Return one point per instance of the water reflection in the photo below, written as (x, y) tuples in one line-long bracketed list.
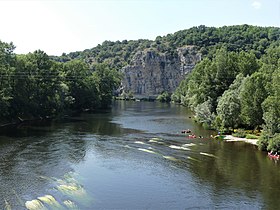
[(134, 157), (25, 159), (240, 170)]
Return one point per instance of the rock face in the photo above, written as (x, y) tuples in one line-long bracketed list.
[(151, 73)]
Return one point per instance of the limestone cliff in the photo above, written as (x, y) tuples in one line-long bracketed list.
[(150, 72)]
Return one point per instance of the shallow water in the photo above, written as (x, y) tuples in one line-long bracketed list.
[(132, 157)]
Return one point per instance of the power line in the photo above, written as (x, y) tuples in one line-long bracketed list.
[(34, 76)]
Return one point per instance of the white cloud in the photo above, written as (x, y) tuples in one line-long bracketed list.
[(256, 5)]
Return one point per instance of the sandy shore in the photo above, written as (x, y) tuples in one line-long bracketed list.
[(232, 138)]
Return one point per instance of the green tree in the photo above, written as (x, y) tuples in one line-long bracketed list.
[(164, 97), (247, 63), (204, 114), (271, 105), (106, 80), (252, 96), (82, 88), (274, 143), (226, 64), (229, 105), (36, 86), (7, 60)]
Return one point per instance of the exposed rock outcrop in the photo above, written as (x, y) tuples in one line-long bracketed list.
[(150, 72)]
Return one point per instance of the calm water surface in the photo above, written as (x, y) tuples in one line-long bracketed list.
[(132, 157)]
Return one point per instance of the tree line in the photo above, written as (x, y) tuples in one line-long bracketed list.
[(208, 40), (237, 90), (34, 85)]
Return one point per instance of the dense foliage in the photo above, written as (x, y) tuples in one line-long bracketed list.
[(115, 54), (33, 85), (207, 39), (237, 90), (164, 97)]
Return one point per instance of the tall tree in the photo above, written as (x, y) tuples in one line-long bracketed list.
[(247, 63), (7, 60), (107, 80), (82, 87), (37, 85), (252, 96), (271, 105), (229, 105)]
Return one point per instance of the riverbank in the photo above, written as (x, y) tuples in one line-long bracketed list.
[(230, 138), (20, 123)]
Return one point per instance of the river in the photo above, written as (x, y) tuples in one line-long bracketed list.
[(132, 157)]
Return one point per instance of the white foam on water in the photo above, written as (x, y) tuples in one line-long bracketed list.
[(50, 200), (189, 145), (139, 142), (178, 147), (207, 154), (146, 150), (170, 158), (35, 205)]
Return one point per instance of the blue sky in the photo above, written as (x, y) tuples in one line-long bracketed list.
[(57, 26)]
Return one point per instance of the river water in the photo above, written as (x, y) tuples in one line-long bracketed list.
[(132, 157)]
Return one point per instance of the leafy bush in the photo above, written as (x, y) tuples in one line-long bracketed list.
[(251, 136), (240, 133), (263, 141), (274, 143), (204, 114), (164, 97), (225, 131), (206, 126)]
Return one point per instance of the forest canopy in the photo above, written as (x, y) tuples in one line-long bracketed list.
[(208, 40), (236, 90), (33, 85)]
